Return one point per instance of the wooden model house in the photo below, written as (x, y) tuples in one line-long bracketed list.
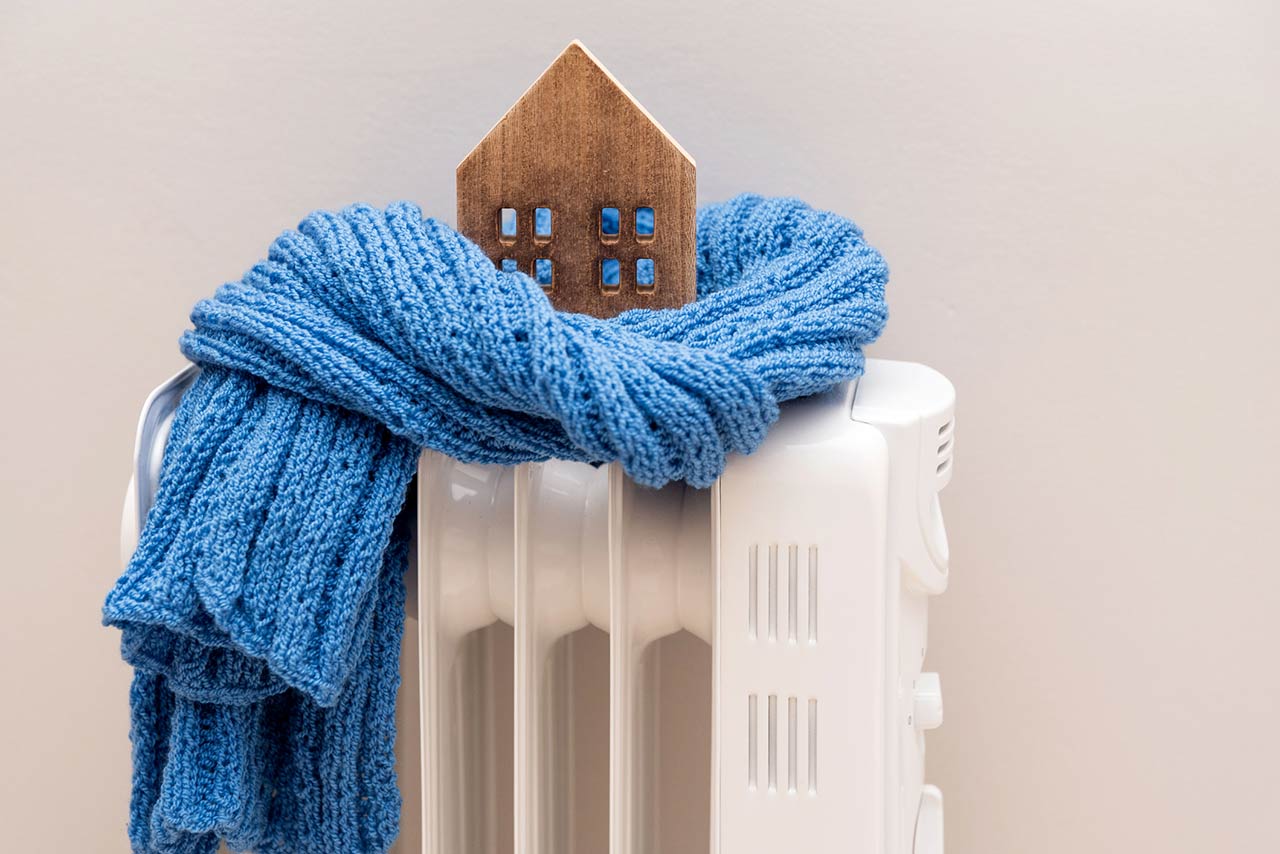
[(582, 189)]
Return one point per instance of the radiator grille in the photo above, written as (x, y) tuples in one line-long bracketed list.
[(790, 594), (783, 734)]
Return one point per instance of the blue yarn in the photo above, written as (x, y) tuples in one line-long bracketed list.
[(263, 608)]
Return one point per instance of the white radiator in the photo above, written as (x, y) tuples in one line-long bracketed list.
[(596, 666)]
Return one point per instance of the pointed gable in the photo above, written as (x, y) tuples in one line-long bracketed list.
[(578, 154)]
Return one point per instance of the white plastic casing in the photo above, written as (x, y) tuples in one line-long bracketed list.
[(593, 665)]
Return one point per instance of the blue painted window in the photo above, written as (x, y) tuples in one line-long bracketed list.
[(644, 222), (610, 272), (508, 223), (509, 265), (542, 272), (644, 272), (610, 221), (542, 222)]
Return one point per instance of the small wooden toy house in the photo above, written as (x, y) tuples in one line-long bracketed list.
[(582, 189)]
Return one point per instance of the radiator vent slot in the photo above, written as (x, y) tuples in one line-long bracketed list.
[(793, 592), (813, 595), (792, 743), (773, 592), (813, 747), (773, 742)]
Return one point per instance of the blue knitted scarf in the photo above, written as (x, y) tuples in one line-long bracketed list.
[(263, 608)]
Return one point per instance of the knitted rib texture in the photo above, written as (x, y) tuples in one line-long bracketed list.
[(263, 608)]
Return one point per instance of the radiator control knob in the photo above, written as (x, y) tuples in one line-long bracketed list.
[(927, 702)]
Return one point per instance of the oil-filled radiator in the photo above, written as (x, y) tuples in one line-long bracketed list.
[(591, 665)]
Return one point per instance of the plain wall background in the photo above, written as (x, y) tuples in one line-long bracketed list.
[(1080, 204)]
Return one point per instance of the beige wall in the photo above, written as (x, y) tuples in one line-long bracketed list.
[(1080, 202)]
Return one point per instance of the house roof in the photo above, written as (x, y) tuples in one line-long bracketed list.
[(575, 69)]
